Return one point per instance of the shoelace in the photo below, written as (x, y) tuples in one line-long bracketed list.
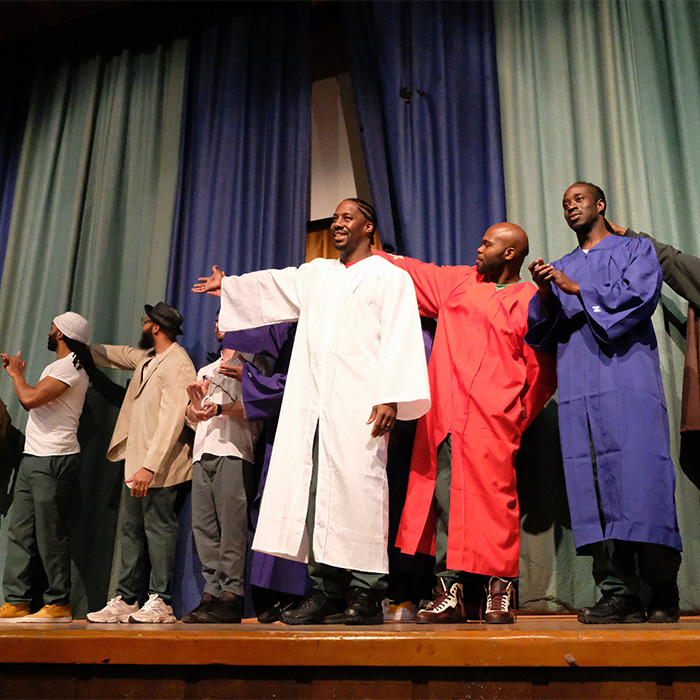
[(502, 602)]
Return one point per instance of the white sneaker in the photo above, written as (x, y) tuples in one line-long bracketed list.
[(154, 610), (115, 611)]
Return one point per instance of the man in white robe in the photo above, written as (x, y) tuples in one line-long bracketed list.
[(358, 364)]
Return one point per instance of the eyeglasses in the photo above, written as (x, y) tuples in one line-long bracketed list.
[(145, 320)]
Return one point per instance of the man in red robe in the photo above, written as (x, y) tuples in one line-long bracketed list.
[(486, 386)]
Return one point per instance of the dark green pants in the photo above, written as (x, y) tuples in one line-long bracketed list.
[(148, 534), (443, 483), (619, 567), (40, 525)]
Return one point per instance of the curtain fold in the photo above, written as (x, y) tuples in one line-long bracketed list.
[(14, 86), (243, 197), (91, 231), (425, 85), (606, 92)]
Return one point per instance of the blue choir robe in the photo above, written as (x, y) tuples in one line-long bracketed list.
[(611, 397)]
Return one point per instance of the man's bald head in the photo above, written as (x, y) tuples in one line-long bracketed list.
[(503, 249)]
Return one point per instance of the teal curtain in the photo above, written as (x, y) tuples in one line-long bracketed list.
[(90, 231), (607, 92)]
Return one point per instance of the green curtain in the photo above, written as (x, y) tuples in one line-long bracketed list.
[(90, 232), (607, 92)]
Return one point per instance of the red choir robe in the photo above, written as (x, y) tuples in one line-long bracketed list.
[(486, 386)]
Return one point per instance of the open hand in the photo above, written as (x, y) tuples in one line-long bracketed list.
[(210, 285)]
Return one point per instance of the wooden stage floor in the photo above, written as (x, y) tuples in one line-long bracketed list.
[(548, 656)]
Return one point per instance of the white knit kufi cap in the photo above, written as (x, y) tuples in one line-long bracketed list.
[(73, 326)]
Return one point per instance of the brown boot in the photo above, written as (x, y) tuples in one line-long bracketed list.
[(500, 602), (445, 607)]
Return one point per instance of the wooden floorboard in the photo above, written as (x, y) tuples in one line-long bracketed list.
[(533, 641), (538, 658)]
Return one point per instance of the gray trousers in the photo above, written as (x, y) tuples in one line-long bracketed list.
[(220, 522), (331, 580), (148, 533), (39, 525)]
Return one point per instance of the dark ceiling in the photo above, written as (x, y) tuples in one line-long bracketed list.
[(20, 18), (60, 28)]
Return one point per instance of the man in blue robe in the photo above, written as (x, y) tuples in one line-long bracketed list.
[(593, 310)]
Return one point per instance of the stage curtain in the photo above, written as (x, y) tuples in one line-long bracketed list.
[(607, 92), (13, 110), (243, 199), (91, 232), (424, 80), (244, 185)]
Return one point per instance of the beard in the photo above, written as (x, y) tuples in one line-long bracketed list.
[(52, 343), (146, 342)]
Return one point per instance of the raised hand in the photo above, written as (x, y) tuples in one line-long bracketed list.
[(210, 285)]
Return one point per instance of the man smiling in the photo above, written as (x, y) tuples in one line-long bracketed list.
[(357, 365)]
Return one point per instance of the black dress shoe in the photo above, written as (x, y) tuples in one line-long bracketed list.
[(663, 606), (204, 605), (317, 609), (365, 608), (614, 609), (227, 610)]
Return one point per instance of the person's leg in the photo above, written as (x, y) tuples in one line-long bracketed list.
[(232, 513), (614, 567), (448, 602), (614, 571), (21, 543), (443, 485), (160, 527), (52, 487), (328, 579), (326, 604), (229, 510), (132, 540), (205, 525), (658, 567)]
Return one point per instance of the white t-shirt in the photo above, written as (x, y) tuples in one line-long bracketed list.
[(224, 436), (52, 429)]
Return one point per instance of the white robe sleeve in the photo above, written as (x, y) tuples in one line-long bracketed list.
[(260, 298), (403, 376)]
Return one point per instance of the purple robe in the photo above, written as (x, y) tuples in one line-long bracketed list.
[(262, 398), (610, 393)]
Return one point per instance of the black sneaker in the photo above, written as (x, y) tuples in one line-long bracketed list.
[(204, 605), (317, 609), (273, 614), (227, 610), (614, 609), (663, 606), (365, 608)]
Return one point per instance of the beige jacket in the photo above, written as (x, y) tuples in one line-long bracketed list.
[(150, 430)]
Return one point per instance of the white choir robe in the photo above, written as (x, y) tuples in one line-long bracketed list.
[(358, 344)]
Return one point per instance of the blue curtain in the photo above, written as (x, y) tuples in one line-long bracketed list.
[(243, 196), (244, 182), (425, 84), (14, 87)]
